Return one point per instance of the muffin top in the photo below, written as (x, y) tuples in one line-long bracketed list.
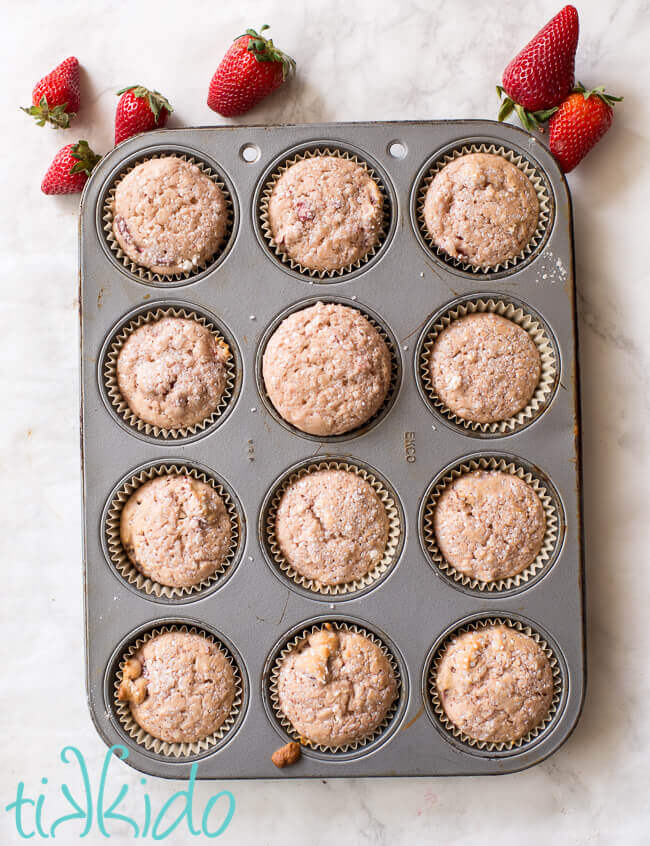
[(336, 687), (489, 525), (176, 530), (325, 213), (495, 684), (480, 208), (169, 216), (484, 367), (173, 372), (331, 526), (326, 369), (180, 687)]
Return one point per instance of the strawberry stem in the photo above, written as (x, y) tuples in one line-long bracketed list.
[(57, 115), (265, 50), (529, 120), (155, 99), (598, 91), (86, 158)]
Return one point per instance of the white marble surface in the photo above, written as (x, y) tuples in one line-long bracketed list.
[(357, 61)]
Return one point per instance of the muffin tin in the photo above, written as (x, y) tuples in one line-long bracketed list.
[(257, 610)]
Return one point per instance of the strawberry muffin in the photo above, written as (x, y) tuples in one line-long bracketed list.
[(180, 687), (336, 687), (326, 369), (481, 209), (169, 216), (489, 525), (495, 684), (176, 530), (325, 213), (331, 526), (172, 372), (484, 368)]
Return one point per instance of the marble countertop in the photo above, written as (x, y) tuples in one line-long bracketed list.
[(357, 61)]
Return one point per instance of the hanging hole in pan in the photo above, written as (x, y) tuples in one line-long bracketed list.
[(397, 149), (250, 153)]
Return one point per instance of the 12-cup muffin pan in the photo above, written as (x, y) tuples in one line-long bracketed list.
[(256, 607)]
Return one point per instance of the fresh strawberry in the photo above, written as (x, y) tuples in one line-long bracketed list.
[(580, 122), (55, 99), (139, 110), (252, 68), (70, 169), (542, 74)]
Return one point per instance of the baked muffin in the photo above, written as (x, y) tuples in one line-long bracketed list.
[(331, 526), (495, 684), (176, 530), (325, 213), (169, 216), (336, 688), (180, 687), (484, 368), (326, 369), (481, 209), (489, 525), (172, 373)]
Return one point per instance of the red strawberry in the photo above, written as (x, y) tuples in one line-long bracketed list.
[(541, 75), (55, 99), (139, 110), (580, 121), (70, 169), (252, 68)]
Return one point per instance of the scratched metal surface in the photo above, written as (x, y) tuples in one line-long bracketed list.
[(255, 608)]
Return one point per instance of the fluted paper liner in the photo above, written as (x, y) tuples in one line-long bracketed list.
[(530, 170), (163, 747), (143, 274), (393, 385), (551, 536), (395, 530), (538, 334), (111, 385), (285, 722), (263, 212), (123, 564), (484, 745)]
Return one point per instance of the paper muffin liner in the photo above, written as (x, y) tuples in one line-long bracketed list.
[(111, 385), (163, 747), (484, 745), (526, 166), (284, 721), (535, 329), (393, 545), (393, 384), (143, 274), (550, 542), (119, 556), (263, 212)]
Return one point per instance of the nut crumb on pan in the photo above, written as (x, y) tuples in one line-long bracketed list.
[(326, 369), (172, 372), (495, 684), (190, 687), (336, 687), (176, 530), (286, 755), (325, 213), (481, 209), (484, 367), (331, 526), (489, 524), (169, 216)]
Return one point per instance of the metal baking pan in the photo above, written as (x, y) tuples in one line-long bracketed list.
[(256, 609)]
